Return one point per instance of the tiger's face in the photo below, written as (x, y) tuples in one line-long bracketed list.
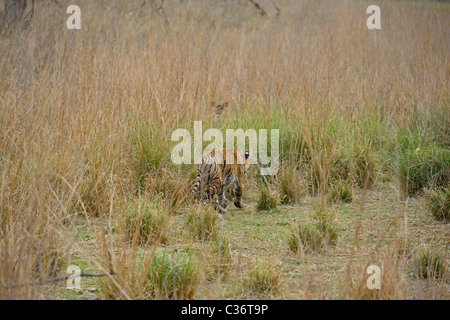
[(247, 162)]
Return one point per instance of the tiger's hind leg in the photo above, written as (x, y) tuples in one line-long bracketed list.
[(215, 201), (205, 198), (223, 199), (219, 208), (215, 197)]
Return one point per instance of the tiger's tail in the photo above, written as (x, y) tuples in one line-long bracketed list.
[(198, 179)]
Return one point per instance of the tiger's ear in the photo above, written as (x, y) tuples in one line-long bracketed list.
[(247, 154)]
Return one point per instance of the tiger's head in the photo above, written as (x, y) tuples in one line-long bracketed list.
[(247, 162)]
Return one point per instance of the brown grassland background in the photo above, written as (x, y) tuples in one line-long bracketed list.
[(86, 118)]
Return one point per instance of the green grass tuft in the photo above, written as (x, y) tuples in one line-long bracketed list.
[(306, 238), (429, 264), (220, 258), (173, 276), (263, 276), (146, 220), (267, 199), (438, 202), (424, 167), (320, 231), (341, 191), (202, 223)]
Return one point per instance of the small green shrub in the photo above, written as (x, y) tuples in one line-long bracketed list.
[(146, 220), (438, 202), (173, 276), (429, 264), (203, 223), (263, 276)]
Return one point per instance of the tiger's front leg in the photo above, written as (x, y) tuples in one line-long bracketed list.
[(238, 194)]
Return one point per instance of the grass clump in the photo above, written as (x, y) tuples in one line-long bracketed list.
[(320, 231), (148, 149), (162, 182), (291, 185), (438, 202), (267, 199), (341, 191), (429, 264), (366, 166), (306, 237), (424, 167), (357, 164), (203, 223), (145, 221), (173, 276), (51, 255), (326, 224), (220, 257), (263, 276)]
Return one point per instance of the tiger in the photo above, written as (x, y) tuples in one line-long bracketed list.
[(217, 174)]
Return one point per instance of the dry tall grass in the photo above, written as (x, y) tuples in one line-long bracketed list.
[(86, 116)]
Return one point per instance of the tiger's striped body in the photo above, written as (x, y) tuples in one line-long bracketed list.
[(218, 171)]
